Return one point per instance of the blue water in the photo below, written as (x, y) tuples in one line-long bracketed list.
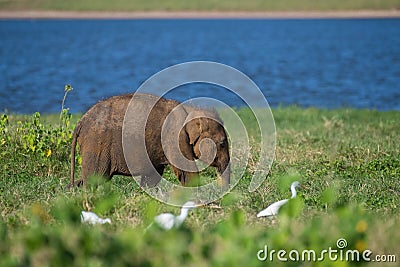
[(322, 63)]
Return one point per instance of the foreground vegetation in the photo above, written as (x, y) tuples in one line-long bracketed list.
[(211, 5), (347, 161)]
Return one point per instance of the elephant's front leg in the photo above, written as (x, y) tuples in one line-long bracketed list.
[(186, 178), (151, 180)]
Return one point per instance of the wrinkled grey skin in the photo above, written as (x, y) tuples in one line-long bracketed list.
[(99, 135)]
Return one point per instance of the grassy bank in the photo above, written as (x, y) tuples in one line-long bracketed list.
[(199, 5), (347, 161)]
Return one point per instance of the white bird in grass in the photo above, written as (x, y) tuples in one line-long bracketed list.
[(167, 221), (273, 209), (92, 218)]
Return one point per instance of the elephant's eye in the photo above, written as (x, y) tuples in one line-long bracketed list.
[(221, 144)]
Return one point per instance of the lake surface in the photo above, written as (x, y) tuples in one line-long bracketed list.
[(326, 63)]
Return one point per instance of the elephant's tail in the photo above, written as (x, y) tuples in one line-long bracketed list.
[(73, 151)]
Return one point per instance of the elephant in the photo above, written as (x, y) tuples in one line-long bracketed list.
[(172, 133)]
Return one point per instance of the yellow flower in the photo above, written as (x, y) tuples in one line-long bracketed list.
[(40, 212), (361, 245), (361, 226), (48, 153)]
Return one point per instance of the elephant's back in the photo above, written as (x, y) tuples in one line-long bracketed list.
[(103, 121)]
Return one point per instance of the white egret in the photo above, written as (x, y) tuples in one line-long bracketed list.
[(92, 218), (273, 209), (167, 221)]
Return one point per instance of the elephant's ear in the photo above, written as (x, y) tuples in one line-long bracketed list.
[(194, 130)]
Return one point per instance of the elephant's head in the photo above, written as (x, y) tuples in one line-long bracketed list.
[(208, 138)]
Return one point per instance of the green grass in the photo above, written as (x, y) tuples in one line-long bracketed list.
[(347, 161), (215, 5)]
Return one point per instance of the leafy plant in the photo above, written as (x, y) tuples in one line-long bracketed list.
[(43, 141)]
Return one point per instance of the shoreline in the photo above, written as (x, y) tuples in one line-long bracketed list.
[(48, 14)]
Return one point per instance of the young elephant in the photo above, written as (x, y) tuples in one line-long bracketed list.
[(188, 132)]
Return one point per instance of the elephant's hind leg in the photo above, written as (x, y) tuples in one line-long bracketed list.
[(95, 164)]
